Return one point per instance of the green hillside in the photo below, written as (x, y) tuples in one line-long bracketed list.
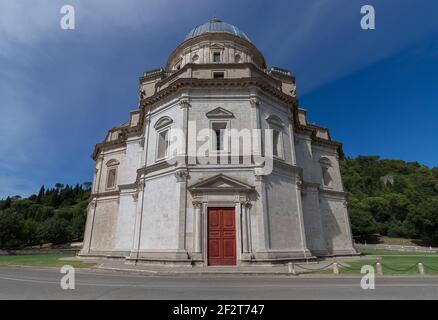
[(392, 197), (55, 215)]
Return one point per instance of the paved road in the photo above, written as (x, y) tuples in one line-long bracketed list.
[(29, 283)]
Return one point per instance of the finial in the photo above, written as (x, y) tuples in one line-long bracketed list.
[(214, 20)]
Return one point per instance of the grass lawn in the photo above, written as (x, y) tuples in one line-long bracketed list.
[(44, 260), (393, 262)]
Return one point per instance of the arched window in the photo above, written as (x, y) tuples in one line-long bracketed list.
[(162, 126), (326, 168), (111, 176)]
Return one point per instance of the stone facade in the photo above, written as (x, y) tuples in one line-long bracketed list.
[(145, 208)]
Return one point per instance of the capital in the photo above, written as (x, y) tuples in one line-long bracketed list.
[(197, 204), (181, 175), (92, 204), (184, 103), (254, 101), (299, 182), (141, 142), (140, 185), (259, 177)]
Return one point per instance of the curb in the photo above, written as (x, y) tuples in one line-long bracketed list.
[(197, 273)]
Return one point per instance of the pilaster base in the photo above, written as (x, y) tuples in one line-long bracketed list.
[(170, 257)]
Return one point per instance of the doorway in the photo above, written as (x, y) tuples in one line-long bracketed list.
[(221, 233)]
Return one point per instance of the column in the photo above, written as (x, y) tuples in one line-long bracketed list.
[(262, 217), (292, 141), (244, 225), (89, 226), (255, 124), (138, 220), (197, 227), (181, 179), (248, 225), (298, 188), (100, 159)]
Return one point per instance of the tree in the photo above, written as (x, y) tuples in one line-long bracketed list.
[(425, 220), (11, 225), (57, 231), (54, 215), (87, 185), (396, 228), (362, 223), (6, 203), (378, 207), (397, 209), (41, 194), (30, 232), (399, 206)]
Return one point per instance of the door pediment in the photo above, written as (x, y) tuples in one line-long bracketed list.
[(221, 182), (219, 113)]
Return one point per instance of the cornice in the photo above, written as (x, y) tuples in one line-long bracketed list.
[(108, 145), (325, 142), (153, 74), (335, 193), (155, 167), (287, 166), (128, 186), (105, 194), (171, 76), (182, 83)]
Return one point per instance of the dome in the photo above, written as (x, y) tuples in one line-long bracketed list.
[(216, 25)]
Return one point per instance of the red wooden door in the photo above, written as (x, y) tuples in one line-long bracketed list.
[(221, 236)]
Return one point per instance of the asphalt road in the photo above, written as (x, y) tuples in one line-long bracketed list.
[(30, 283)]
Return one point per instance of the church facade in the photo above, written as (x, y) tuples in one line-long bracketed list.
[(151, 205)]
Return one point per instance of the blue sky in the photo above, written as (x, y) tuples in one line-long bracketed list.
[(61, 90)]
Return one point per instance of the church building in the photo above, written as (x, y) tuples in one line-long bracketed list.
[(154, 206)]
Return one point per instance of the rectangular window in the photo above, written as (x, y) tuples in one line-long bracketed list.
[(163, 144), (216, 57), (276, 144), (326, 177), (218, 75), (219, 131), (111, 179)]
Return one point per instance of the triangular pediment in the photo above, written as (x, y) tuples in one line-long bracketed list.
[(220, 182), (219, 113), (217, 46)]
